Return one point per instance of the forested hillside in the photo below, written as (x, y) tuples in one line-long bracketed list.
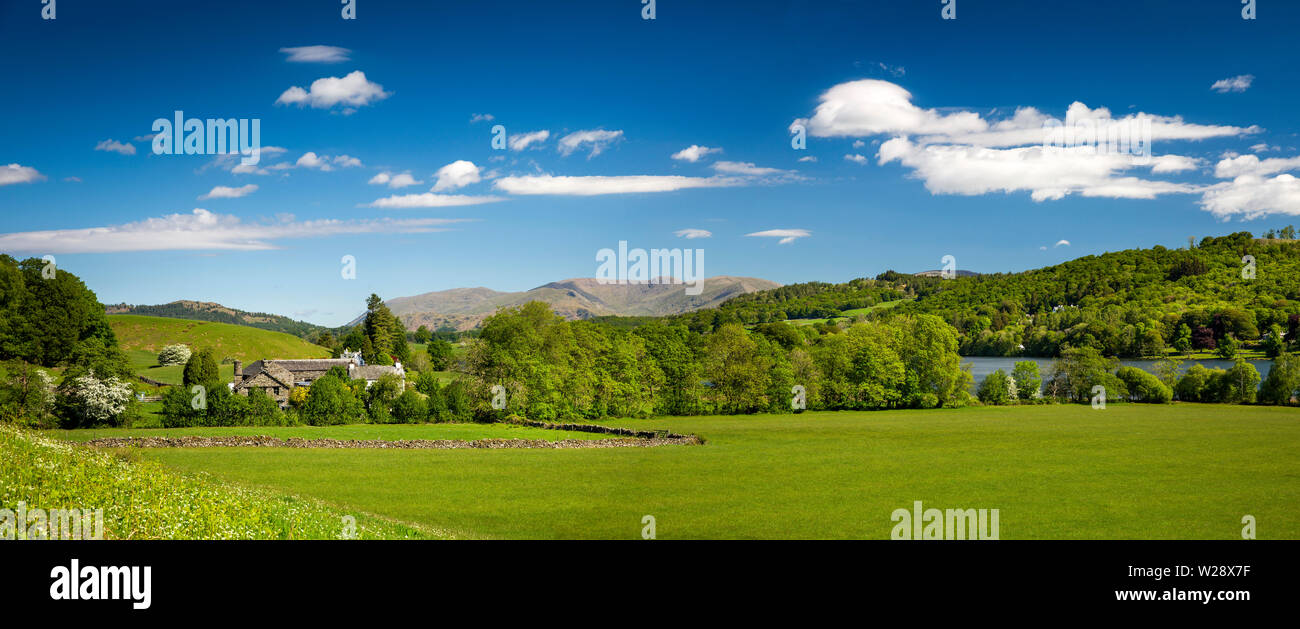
[(1138, 302)]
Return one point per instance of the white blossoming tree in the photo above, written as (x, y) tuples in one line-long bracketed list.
[(94, 401), (174, 355)]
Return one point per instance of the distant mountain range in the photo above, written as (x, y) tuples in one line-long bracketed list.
[(582, 298)]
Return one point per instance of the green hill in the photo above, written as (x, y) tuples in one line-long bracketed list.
[(138, 333), (209, 311)]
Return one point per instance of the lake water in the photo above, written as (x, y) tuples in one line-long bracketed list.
[(981, 366)]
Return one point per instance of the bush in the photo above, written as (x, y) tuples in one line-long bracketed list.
[(996, 389), (410, 408), (201, 368), (1143, 386), (330, 401), (174, 355), (1029, 382)]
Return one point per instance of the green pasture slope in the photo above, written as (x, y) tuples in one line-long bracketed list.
[(1180, 471), (141, 336)]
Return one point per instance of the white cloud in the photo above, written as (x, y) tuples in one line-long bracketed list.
[(1231, 167), (1044, 173), (16, 173), (1062, 243), (747, 169), (596, 185), (347, 161), (204, 230), (317, 54), (807, 158), (114, 146), (1239, 83), (786, 236), (694, 152), (393, 180), (691, 233), (457, 174), (352, 91), (429, 199), (856, 158), (1174, 163), (1254, 196), (481, 118), (311, 160), (598, 139), (872, 107), (522, 141), (226, 192)]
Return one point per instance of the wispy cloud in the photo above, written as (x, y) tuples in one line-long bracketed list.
[(317, 54), (204, 230), (17, 173), (350, 91), (786, 236), (481, 118), (747, 168), (226, 192), (524, 140), (113, 146), (598, 185), (692, 233), (1239, 83), (430, 200), (597, 139)]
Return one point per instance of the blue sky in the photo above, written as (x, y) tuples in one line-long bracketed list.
[(943, 163)]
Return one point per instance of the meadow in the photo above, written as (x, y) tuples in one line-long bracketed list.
[(147, 335), (1178, 471)]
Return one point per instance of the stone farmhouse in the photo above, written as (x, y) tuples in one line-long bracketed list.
[(278, 377)]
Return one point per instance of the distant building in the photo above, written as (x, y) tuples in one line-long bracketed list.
[(278, 377)]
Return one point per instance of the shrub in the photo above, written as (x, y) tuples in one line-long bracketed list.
[(1143, 386), (1029, 382), (410, 408), (201, 368), (330, 401), (996, 389)]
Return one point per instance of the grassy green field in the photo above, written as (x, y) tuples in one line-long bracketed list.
[(145, 500), (385, 432), (1180, 471), (150, 334), (846, 315)]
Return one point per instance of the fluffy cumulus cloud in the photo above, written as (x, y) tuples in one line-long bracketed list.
[(522, 141), (1091, 153), (317, 54), (598, 185), (1256, 189), (694, 153), (350, 92), (785, 236), (204, 230), (226, 192), (393, 180), (17, 173), (113, 146), (1239, 83), (691, 233), (430, 200), (457, 174)]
